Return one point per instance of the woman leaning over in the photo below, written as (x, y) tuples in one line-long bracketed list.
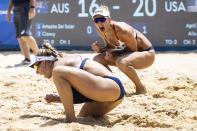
[(79, 80)]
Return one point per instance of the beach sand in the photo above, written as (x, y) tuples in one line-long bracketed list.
[(170, 103)]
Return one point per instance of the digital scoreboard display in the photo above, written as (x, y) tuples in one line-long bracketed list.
[(68, 23)]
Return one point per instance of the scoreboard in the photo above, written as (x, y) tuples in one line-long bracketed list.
[(68, 24)]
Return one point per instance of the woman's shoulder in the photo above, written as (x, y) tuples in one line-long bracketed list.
[(123, 27)]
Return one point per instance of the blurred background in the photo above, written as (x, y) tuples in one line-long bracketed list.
[(68, 25)]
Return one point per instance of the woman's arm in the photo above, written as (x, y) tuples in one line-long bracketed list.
[(32, 10), (96, 47), (10, 6), (107, 47)]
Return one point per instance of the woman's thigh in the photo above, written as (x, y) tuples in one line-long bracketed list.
[(94, 87), (139, 60), (91, 108)]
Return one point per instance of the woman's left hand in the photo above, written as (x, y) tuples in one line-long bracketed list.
[(32, 13)]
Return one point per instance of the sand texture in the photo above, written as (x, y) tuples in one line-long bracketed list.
[(170, 103)]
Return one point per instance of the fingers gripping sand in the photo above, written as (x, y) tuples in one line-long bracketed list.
[(170, 102)]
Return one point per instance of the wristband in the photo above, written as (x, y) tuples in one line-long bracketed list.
[(32, 6)]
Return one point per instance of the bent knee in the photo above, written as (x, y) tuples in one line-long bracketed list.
[(56, 73), (59, 71), (123, 64)]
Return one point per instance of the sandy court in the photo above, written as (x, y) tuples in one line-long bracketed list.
[(170, 104)]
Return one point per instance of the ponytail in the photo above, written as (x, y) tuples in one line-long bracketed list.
[(48, 50)]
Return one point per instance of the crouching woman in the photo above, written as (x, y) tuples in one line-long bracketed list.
[(79, 80)]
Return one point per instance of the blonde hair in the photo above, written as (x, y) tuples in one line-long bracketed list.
[(48, 50)]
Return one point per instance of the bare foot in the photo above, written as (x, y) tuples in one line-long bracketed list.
[(52, 98), (140, 90), (70, 120)]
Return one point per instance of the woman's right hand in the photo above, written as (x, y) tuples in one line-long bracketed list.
[(8, 16), (52, 98), (95, 47)]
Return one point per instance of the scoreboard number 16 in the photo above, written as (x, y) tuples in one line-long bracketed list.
[(93, 6)]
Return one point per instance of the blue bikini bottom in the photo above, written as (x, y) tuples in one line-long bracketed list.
[(79, 98)]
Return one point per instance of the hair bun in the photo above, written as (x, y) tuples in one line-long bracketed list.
[(47, 46)]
